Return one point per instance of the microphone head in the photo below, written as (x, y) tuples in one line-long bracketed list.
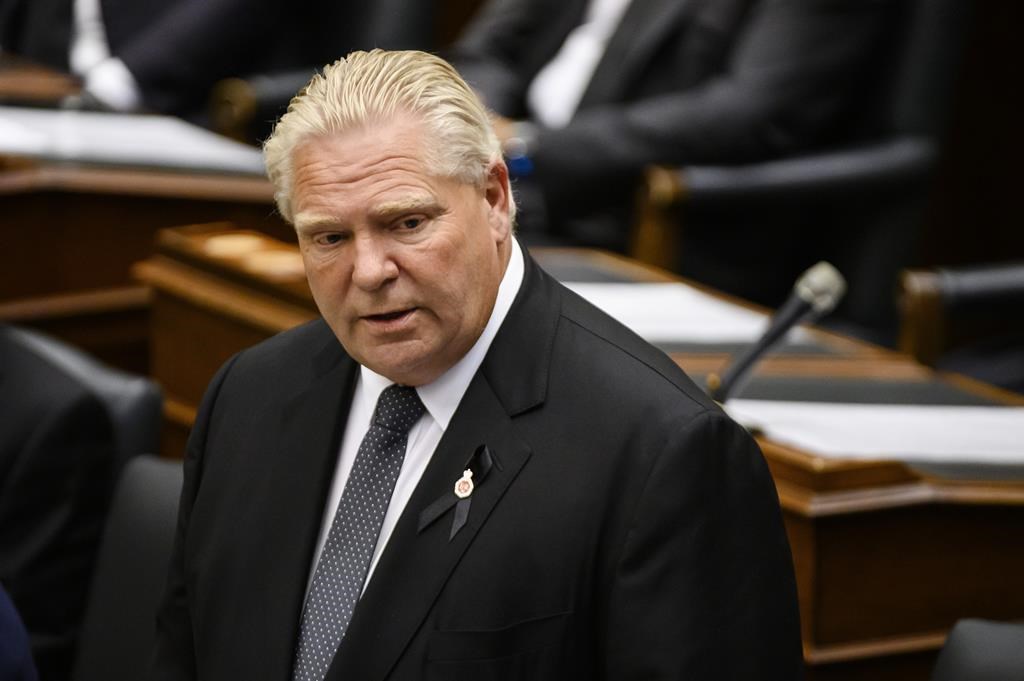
[(821, 287)]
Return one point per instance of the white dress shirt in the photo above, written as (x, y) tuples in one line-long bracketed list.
[(106, 77), (441, 398), (557, 89)]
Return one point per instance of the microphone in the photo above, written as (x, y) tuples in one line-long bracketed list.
[(816, 293)]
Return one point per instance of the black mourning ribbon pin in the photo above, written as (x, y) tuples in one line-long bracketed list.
[(475, 471)]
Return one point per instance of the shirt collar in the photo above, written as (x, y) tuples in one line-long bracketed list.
[(442, 396)]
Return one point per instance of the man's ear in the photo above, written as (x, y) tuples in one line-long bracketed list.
[(497, 193)]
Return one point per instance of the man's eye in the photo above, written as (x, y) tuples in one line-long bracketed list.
[(329, 239), (410, 223)]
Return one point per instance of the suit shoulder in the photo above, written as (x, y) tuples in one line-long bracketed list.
[(282, 350), (608, 346), (278, 365)]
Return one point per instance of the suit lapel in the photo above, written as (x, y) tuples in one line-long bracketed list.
[(643, 27), (418, 561), (300, 475), (415, 565)]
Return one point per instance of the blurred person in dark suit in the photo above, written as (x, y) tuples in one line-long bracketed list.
[(587, 93), (164, 55), (57, 454)]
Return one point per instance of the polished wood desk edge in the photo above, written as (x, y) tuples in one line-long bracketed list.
[(178, 412), (863, 650), (67, 305), (973, 385), (212, 294), (808, 503), (818, 486), (878, 367), (23, 81), (24, 177), (827, 474), (180, 244)]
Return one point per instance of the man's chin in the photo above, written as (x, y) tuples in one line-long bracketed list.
[(401, 364)]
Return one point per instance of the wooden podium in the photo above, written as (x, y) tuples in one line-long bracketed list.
[(886, 558)]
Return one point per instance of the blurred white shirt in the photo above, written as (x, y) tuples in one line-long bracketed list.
[(441, 398), (557, 89), (105, 77)]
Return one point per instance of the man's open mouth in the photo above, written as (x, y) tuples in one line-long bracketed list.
[(390, 316)]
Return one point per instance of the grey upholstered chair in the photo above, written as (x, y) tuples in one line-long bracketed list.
[(967, 320), (855, 202), (133, 402), (119, 628), (981, 650)]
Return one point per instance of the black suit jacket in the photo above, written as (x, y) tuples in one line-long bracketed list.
[(681, 82), (57, 457), (627, 529), (177, 49)]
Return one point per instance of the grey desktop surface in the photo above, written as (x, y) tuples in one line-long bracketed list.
[(858, 390), (801, 348)]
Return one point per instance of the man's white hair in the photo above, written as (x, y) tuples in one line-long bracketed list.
[(374, 87)]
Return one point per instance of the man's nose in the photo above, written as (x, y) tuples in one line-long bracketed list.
[(374, 263)]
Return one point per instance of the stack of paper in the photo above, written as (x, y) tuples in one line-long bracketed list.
[(122, 139), (910, 433), (677, 312)]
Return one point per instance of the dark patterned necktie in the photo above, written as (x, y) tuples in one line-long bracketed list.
[(339, 576)]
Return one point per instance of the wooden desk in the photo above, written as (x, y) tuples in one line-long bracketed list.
[(23, 82), (886, 558), (70, 234)]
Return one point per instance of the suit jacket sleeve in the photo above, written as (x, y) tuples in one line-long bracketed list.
[(174, 654), (703, 586)]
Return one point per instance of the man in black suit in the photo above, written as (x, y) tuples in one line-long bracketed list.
[(569, 505), (57, 454), (675, 82), (173, 51)]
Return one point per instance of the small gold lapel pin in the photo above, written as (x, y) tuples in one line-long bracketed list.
[(464, 485)]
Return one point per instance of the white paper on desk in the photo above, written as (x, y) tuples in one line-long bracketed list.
[(675, 312), (122, 139), (18, 139), (911, 433)]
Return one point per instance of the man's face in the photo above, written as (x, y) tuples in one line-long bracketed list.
[(404, 265)]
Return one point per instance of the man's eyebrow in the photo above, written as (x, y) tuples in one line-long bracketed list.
[(307, 221), (412, 204)]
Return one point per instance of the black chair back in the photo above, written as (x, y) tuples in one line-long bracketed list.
[(923, 79), (980, 650), (133, 402), (119, 629)]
